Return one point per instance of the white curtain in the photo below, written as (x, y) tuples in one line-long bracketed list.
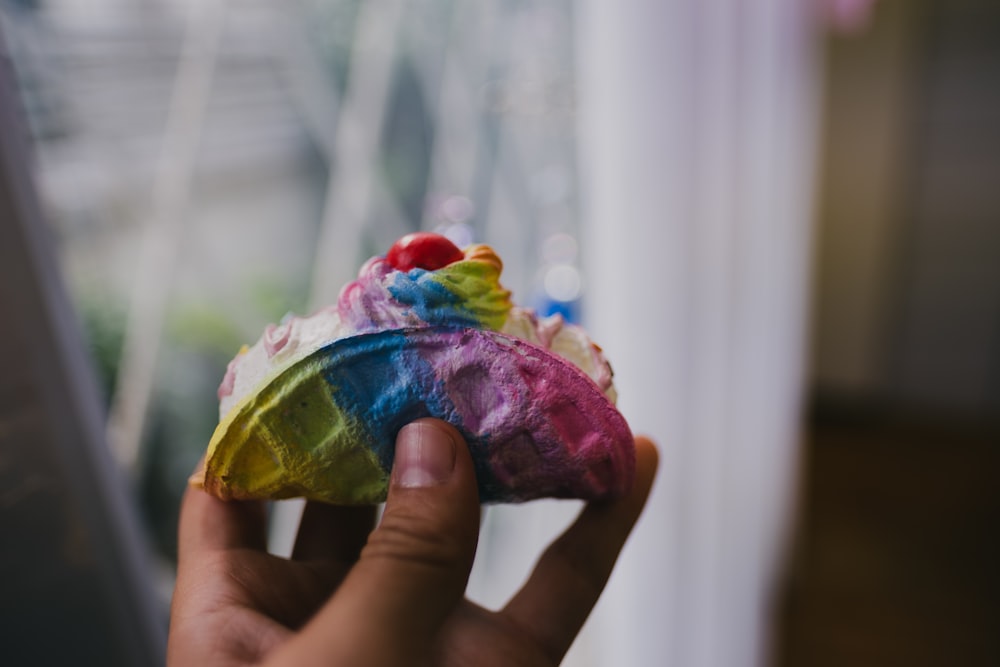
[(698, 124), (697, 131)]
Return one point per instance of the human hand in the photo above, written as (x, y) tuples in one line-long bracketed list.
[(352, 596)]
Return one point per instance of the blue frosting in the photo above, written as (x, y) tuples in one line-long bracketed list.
[(431, 300)]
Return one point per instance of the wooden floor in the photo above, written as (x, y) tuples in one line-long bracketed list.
[(898, 555)]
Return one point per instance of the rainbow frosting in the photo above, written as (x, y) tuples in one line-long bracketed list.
[(313, 408)]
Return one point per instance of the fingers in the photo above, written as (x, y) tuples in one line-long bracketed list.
[(571, 574), (414, 569), (333, 532), (209, 524)]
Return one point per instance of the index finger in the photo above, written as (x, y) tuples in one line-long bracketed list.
[(570, 576), (209, 524)]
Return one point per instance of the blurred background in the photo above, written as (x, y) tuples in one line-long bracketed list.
[(780, 219)]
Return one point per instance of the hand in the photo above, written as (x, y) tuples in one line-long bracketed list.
[(354, 596)]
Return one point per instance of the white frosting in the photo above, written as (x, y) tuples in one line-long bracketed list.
[(278, 348), (569, 341)]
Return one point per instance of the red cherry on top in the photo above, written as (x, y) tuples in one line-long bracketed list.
[(423, 250)]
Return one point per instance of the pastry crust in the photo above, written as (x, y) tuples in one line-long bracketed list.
[(535, 424)]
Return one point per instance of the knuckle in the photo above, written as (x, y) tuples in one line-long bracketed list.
[(415, 540)]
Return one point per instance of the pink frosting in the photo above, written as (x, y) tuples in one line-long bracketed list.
[(276, 337), (366, 305), (229, 381)]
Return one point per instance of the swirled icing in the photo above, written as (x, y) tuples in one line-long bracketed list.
[(467, 293)]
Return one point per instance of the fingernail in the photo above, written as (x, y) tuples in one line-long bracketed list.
[(425, 456)]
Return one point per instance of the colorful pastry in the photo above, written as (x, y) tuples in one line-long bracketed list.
[(313, 408)]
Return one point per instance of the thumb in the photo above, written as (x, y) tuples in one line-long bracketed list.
[(422, 551), (414, 569)]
